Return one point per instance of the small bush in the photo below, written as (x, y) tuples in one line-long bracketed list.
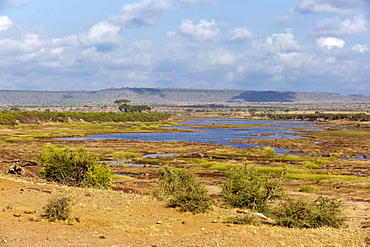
[(309, 188), (244, 188), (98, 176), (300, 213), (248, 219), (181, 188), (59, 207)]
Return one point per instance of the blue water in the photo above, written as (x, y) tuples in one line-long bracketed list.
[(221, 136)]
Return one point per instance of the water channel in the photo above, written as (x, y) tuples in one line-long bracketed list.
[(222, 136)]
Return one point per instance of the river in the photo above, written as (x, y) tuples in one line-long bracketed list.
[(222, 136)]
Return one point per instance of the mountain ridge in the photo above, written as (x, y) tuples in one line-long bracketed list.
[(170, 96)]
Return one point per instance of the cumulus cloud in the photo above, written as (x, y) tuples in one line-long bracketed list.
[(324, 6), (360, 48), (282, 42), (5, 22), (146, 12), (203, 31), (240, 35), (103, 35), (330, 42), (337, 27)]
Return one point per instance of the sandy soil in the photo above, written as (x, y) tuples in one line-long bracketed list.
[(111, 218)]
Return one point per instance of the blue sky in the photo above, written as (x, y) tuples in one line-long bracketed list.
[(290, 45)]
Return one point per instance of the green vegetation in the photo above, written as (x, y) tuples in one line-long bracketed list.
[(98, 176), (59, 207), (32, 117), (134, 108), (319, 115), (244, 188), (302, 213), (309, 188), (182, 188), (74, 167)]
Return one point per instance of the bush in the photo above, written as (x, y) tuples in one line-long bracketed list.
[(59, 207), (248, 219), (66, 165), (245, 189), (181, 188), (309, 188), (98, 176), (300, 213)]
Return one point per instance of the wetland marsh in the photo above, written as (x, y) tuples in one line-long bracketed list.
[(331, 158)]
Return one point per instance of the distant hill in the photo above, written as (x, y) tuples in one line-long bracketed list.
[(168, 96)]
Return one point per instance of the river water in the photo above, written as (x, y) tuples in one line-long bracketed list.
[(222, 136)]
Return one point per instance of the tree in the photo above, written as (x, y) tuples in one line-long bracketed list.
[(252, 111), (120, 101)]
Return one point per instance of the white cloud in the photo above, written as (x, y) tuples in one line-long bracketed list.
[(221, 57), (203, 31), (5, 22), (360, 48), (146, 12), (330, 42), (337, 27), (323, 6), (282, 42), (14, 3), (102, 33), (240, 35)]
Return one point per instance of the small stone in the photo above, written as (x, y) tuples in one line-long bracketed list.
[(4, 241), (214, 221), (202, 229), (183, 222), (28, 211), (17, 215), (159, 222), (102, 237)]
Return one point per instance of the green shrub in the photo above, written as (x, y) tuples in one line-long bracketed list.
[(300, 213), (309, 188), (244, 188), (59, 207), (66, 165), (98, 176), (182, 188)]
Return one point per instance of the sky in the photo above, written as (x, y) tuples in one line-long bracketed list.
[(289, 45)]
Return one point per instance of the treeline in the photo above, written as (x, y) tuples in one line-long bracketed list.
[(29, 117), (318, 116)]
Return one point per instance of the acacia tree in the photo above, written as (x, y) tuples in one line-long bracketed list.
[(120, 101)]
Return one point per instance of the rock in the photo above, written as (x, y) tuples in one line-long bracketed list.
[(28, 211), (16, 169), (159, 222), (17, 214), (183, 222)]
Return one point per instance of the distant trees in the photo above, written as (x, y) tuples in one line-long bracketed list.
[(252, 111), (120, 101), (134, 108), (125, 107)]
